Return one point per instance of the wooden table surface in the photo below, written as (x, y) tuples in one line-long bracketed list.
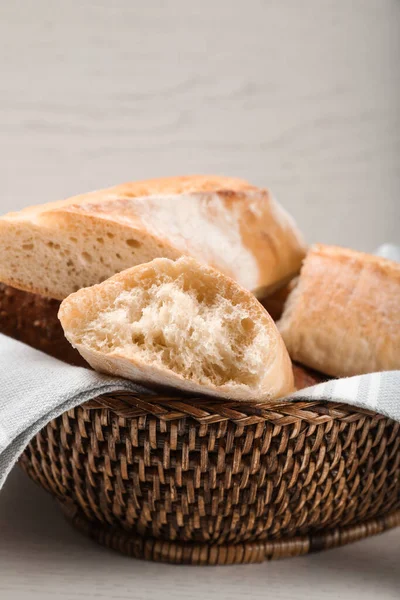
[(302, 97)]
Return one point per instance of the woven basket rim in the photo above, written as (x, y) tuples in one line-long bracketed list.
[(211, 410)]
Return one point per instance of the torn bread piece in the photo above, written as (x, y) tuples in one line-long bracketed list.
[(343, 316), (57, 248), (180, 324)]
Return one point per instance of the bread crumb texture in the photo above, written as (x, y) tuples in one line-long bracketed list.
[(182, 325)]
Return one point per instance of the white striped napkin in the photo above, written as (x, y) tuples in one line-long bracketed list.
[(36, 388), (379, 392)]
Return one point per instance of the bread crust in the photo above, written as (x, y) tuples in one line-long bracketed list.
[(32, 319), (54, 249), (343, 317), (79, 308)]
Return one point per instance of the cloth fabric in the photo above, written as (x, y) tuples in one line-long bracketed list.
[(36, 388), (379, 392)]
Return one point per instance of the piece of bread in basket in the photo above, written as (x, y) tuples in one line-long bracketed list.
[(57, 248), (343, 316), (180, 324)]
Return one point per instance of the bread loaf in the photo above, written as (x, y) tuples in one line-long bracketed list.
[(55, 249), (343, 316), (180, 324), (32, 319)]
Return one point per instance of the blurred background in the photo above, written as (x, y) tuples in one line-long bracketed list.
[(301, 97)]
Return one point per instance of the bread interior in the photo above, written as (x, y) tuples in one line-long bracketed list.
[(183, 324)]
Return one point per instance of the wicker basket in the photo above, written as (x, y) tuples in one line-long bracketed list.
[(209, 482)]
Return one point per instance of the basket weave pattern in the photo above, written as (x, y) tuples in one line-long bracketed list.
[(161, 479)]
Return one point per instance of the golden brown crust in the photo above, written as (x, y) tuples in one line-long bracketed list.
[(32, 319), (224, 222), (186, 184), (343, 317)]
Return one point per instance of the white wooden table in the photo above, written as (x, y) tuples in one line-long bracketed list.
[(300, 96), (42, 557)]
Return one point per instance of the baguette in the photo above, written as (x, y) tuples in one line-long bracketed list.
[(180, 324), (55, 249), (343, 316)]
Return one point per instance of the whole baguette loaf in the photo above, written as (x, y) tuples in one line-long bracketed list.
[(343, 316), (55, 249), (180, 324)]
